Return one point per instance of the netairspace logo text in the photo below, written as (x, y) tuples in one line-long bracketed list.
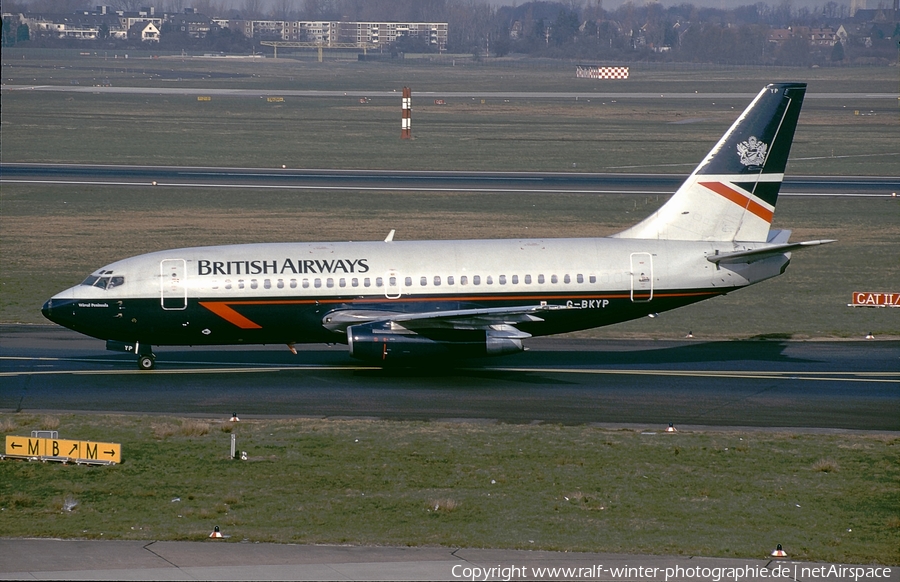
[(836, 572)]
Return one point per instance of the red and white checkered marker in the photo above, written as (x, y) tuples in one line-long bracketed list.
[(589, 72), (216, 533)]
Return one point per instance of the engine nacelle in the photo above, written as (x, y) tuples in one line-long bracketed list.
[(379, 343)]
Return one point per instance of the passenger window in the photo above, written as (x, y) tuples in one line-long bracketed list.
[(408, 281), (540, 279), (463, 280), (329, 282), (240, 283), (503, 279), (423, 281), (367, 282), (379, 281), (580, 278), (293, 283), (228, 283), (253, 284), (449, 279), (306, 283), (437, 280), (317, 283), (567, 279), (593, 278), (280, 284), (554, 279), (392, 281), (528, 279), (476, 279), (354, 281), (515, 279), (342, 282), (489, 280), (267, 284)]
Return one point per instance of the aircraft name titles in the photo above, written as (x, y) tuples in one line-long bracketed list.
[(276, 267)]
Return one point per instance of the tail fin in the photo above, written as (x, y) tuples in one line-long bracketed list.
[(731, 195)]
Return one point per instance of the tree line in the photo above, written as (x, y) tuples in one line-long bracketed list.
[(570, 29)]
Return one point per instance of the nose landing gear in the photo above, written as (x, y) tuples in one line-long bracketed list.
[(146, 357), (147, 361)]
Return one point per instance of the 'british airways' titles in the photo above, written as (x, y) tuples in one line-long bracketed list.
[(276, 267)]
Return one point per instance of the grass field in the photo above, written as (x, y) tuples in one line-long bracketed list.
[(836, 136), (825, 497)]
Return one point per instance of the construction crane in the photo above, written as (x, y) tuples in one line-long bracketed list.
[(317, 45)]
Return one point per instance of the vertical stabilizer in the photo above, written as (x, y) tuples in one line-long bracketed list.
[(731, 195)]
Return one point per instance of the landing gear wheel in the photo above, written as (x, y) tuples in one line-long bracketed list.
[(147, 362)]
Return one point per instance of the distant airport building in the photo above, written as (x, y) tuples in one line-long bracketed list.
[(329, 33), (104, 22)]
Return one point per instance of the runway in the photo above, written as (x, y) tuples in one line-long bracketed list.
[(817, 385), (394, 180)]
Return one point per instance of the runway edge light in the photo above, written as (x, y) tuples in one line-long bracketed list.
[(671, 428), (778, 552), (217, 534)]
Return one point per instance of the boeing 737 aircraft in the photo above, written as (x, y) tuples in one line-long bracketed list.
[(390, 300)]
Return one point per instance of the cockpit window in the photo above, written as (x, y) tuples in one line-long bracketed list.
[(104, 282)]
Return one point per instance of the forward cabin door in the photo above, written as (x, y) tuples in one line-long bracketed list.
[(641, 277), (173, 284)]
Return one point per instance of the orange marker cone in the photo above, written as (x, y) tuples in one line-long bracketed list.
[(778, 552), (217, 534)]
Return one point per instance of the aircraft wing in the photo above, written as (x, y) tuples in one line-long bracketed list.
[(752, 255), (460, 319)]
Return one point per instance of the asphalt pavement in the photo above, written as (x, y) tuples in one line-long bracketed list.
[(223, 559)]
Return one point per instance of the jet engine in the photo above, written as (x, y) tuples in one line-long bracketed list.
[(382, 342)]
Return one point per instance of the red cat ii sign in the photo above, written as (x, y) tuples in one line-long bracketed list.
[(866, 299)]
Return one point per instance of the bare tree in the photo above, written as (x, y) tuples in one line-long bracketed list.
[(284, 9), (252, 9)]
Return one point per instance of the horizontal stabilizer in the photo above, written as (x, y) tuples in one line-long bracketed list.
[(753, 255)]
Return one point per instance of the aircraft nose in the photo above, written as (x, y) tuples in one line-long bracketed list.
[(47, 309)]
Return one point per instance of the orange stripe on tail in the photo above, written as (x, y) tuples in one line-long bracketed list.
[(740, 199)]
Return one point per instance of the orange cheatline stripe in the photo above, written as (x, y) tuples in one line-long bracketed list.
[(224, 311), (740, 199)]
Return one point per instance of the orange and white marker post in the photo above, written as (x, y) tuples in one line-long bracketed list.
[(406, 110)]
